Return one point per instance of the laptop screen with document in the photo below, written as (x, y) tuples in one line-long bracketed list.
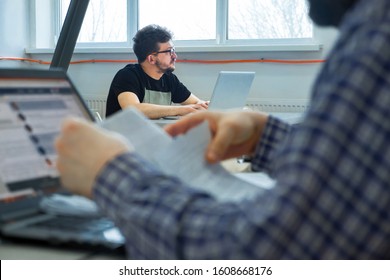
[(33, 205), (32, 107)]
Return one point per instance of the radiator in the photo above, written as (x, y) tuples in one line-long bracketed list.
[(278, 105), (96, 105)]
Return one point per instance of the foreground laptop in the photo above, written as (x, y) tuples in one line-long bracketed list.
[(33, 206)]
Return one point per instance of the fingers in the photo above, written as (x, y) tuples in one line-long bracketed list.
[(71, 136), (72, 123), (233, 133), (83, 149), (68, 127), (228, 133), (202, 108), (185, 124), (72, 127), (219, 144), (223, 136), (198, 106), (204, 104)]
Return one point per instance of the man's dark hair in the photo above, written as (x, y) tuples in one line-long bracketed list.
[(329, 12), (147, 40)]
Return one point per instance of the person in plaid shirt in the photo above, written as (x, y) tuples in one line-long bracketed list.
[(331, 196)]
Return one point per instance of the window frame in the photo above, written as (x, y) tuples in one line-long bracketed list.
[(220, 44)]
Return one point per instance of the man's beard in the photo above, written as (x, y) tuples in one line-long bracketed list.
[(329, 12), (166, 70)]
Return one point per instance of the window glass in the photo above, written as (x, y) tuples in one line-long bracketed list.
[(268, 19), (105, 21), (188, 20), (196, 22)]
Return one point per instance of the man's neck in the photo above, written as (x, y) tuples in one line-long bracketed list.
[(151, 71)]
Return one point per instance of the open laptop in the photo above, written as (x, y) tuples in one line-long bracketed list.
[(231, 90), (33, 205)]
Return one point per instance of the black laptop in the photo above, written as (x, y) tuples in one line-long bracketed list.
[(33, 205)]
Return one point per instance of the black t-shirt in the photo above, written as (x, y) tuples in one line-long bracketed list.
[(132, 78)]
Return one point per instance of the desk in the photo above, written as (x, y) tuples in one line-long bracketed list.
[(291, 118), (11, 250), (163, 122)]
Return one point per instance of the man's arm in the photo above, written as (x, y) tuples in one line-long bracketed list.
[(154, 111)]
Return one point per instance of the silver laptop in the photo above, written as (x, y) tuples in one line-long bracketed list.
[(33, 205), (231, 90)]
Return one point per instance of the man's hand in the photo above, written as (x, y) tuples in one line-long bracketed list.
[(204, 104), (189, 109), (233, 133), (83, 149)]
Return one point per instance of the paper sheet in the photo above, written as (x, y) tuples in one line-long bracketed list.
[(182, 156)]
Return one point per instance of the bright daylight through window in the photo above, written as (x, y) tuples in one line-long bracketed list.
[(187, 19), (105, 21), (268, 19), (248, 21)]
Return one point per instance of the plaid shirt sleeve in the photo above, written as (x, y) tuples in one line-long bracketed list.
[(332, 194), (273, 138)]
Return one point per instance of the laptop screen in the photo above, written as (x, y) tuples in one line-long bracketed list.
[(33, 104), (231, 90)]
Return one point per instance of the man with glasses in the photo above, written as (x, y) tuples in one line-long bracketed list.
[(150, 85)]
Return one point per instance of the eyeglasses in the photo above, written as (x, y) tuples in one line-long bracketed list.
[(170, 51)]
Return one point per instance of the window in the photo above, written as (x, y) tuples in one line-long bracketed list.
[(104, 21), (206, 23), (189, 19), (268, 19)]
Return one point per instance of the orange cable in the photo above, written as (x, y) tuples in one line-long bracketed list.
[(24, 59), (252, 61), (103, 61), (281, 61)]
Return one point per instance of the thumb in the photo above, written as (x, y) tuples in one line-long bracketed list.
[(219, 145)]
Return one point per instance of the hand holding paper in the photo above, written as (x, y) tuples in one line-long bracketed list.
[(182, 156)]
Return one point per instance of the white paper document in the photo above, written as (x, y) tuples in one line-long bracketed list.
[(182, 156)]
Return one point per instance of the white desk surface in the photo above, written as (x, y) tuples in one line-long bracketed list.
[(290, 117), (15, 251), (11, 250)]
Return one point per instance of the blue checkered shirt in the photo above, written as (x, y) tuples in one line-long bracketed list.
[(332, 172)]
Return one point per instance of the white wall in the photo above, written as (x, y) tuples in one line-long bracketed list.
[(13, 31), (272, 82)]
